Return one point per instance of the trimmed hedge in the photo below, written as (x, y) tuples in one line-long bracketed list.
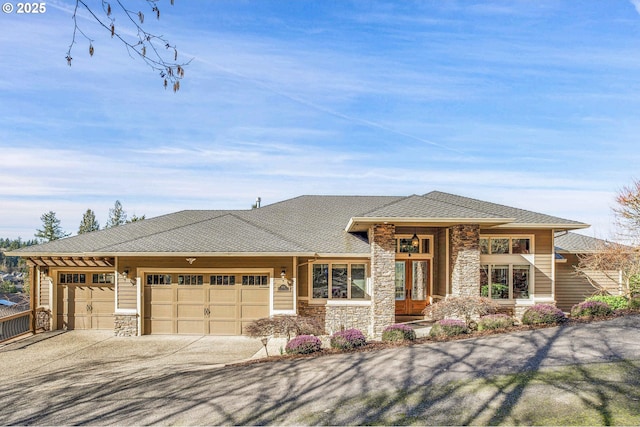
[(495, 321), (448, 328), (398, 333), (541, 314), (303, 344), (591, 309), (348, 339)]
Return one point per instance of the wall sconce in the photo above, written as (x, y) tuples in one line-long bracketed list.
[(283, 273), (125, 272), (191, 260)]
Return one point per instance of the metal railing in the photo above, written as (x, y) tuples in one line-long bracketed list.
[(14, 325)]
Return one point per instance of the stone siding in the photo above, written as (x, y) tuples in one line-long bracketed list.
[(125, 325), (343, 317), (383, 297), (465, 260), (43, 319)]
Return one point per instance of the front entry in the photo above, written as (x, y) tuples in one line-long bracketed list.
[(413, 278)]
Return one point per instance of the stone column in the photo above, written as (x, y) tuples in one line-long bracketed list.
[(464, 258), (383, 273)]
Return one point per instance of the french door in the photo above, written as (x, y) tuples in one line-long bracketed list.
[(413, 279)]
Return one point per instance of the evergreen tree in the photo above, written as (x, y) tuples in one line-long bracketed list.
[(117, 216), (88, 223), (136, 218), (51, 229)]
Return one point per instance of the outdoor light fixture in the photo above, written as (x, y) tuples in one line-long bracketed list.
[(415, 240), (283, 273)]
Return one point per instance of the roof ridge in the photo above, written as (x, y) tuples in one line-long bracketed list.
[(104, 248)]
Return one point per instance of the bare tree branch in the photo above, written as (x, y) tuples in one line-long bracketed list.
[(156, 51)]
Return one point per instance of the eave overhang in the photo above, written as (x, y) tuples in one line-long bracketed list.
[(360, 224), (542, 226)]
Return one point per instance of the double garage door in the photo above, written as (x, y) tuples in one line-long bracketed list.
[(219, 304)]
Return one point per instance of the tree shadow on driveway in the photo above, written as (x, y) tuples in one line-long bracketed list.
[(472, 381)]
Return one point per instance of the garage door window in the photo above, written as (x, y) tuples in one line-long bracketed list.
[(255, 280), (72, 278), (223, 280), (158, 279), (190, 279), (103, 278)]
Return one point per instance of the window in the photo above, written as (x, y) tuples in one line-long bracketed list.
[(505, 245), (255, 280), (505, 281), (190, 279), (69, 278), (103, 278), (158, 279), (339, 281), (222, 280), (404, 245)]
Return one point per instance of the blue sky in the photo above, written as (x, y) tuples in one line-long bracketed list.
[(533, 104)]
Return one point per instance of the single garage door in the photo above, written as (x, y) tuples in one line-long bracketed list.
[(209, 304), (82, 306)]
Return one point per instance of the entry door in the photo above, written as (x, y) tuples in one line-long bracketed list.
[(412, 286)]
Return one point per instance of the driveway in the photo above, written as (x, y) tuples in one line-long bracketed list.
[(73, 378)]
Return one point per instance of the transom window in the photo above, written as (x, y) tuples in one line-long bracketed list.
[(407, 245), (505, 281), (503, 245), (339, 281)]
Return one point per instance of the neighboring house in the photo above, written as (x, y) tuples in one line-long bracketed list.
[(572, 287), (352, 261)]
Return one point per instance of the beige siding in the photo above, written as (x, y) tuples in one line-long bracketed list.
[(127, 293), (44, 290), (572, 288)]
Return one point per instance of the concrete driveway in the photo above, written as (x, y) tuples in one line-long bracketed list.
[(76, 378)]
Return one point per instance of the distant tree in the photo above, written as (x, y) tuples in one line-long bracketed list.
[(135, 218), (117, 216), (51, 229), (88, 223), (154, 50)]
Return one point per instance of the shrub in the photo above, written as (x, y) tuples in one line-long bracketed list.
[(634, 303), (348, 339), (284, 326), (615, 302), (397, 333), (494, 321), (303, 344), (591, 309), (448, 328), (466, 308), (543, 314)]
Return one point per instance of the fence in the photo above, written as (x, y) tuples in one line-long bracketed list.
[(14, 325)]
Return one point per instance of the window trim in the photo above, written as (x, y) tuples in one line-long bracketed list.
[(511, 265), (349, 263), (511, 237)]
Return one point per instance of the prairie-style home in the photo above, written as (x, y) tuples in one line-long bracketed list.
[(352, 261)]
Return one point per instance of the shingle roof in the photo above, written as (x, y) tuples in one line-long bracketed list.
[(302, 225), (577, 243)]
